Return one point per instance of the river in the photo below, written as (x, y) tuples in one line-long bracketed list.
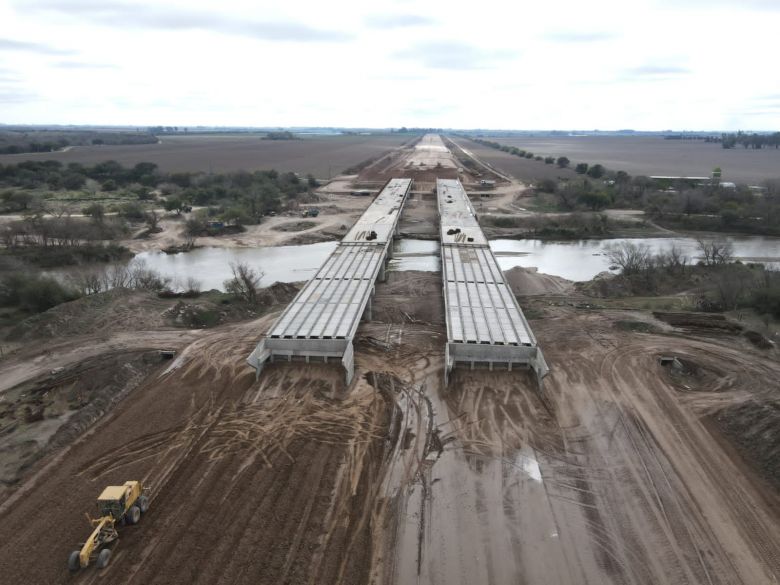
[(574, 260), (581, 260)]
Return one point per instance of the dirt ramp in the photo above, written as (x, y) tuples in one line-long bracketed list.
[(528, 281)]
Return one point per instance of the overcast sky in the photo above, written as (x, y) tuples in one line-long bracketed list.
[(568, 64)]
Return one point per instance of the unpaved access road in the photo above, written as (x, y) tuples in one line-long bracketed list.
[(609, 476)]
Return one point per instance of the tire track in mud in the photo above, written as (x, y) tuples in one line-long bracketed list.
[(626, 542), (243, 474), (687, 530), (759, 375), (622, 508)]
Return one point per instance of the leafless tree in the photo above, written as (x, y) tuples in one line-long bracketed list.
[(676, 260), (90, 282), (136, 276), (141, 277), (630, 257), (117, 277), (152, 220), (57, 209), (715, 251), (193, 285), (245, 282)]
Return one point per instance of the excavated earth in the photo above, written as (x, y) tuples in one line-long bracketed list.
[(619, 471)]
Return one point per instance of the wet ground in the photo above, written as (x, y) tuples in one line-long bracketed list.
[(617, 472), (611, 475)]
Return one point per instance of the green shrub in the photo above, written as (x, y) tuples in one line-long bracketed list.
[(504, 222), (767, 300), (133, 211), (33, 293)]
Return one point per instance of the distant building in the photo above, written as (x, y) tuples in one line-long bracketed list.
[(670, 178)]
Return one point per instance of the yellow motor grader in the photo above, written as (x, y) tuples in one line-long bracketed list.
[(121, 504)]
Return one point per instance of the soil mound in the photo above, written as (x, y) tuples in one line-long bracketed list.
[(114, 310), (528, 281)]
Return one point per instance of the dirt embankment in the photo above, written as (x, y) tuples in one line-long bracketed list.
[(73, 363), (529, 281)]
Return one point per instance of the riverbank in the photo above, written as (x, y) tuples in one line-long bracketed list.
[(337, 212)]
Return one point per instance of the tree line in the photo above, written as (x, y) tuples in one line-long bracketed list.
[(753, 141), (22, 141)]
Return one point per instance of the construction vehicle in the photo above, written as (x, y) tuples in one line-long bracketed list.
[(121, 504)]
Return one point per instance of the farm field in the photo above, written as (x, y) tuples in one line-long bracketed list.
[(639, 155), (523, 169), (322, 156)]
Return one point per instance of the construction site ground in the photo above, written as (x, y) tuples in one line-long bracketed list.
[(621, 470), (616, 473)]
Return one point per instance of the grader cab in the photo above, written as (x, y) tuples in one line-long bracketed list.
[(121, 504)]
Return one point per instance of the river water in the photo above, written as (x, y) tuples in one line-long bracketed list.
[(575, 260), (211, 266), (583, 259)]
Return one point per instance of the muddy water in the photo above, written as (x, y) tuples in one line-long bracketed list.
[(583, 259), (211, 266), (576, 260)]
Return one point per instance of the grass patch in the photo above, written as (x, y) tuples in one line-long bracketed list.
[(531, 312), (636, 327)]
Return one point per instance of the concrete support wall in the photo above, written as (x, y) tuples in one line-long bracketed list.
[(495, 357)]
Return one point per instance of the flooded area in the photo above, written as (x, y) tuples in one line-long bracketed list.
[(581, 260)]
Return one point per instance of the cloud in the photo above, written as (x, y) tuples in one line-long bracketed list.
[(659, 70), (654, 72), (771, 5), (391, 21), (773, 98), (580, 36), (156, 17), (9, 96), (12, 45), (454, 55), (82, 65)]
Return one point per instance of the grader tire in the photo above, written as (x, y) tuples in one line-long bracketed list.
[(74, 563), (133, 515), (103, 558), (143, 504)]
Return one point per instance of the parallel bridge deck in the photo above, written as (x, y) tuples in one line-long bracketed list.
[(321, 321), (484, 321), (329, 305)]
